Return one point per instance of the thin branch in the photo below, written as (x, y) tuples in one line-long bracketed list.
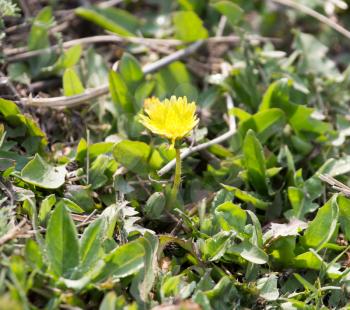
[(72, 101), (22, 53), (335, 184), (322, 18), (188, 151), (13, 232)]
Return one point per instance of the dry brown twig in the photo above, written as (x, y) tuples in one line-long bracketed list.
[(322, 18), (72, 101), (13, 232), (339, 186)]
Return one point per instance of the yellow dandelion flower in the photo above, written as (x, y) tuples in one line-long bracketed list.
[(172, 118)]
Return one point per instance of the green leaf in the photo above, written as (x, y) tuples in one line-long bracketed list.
[(144, 281), (130, 70), (124, 260), (39, 39), (250, 252), (70, 205), (321, 229), (69, 58), (231, 217), (188, 26), (215, 247), (247, 197), (169, 78), (115, 20), (231, 10), (81, 197), (91, 244), (307, 260), (137, 156), (307, 285), (255, 163), (8, 108), (344, 215), (268, 287), (265, 124), (38, 36), (109, 302), (97, 176), (120, 93), (33, 254), (39, 173), (155, 205), (71, 83), (94, 149), (298, 116), (62, 243), (45, 207)]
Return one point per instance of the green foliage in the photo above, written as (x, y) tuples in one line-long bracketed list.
[(85, 218)]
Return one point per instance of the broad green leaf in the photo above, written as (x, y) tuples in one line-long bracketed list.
[(38, 36), (223, 294), (322, 227), (79, 198), (94, 149), (247, 197), (137, 156), (257, 237), (45, 207), (229, 9), (215, 247), (142, 284), (35, 139), (307, 260), (299, 116), (268, 287), (69, 58), (71, 83), (121, 95), (115, 20), (62, 243), (344, 215), (130, 70), (281, 251), (188, 26), (91, 244), (39, 173), (8, 108), (254, 161), (231, 217), (155, 205), (265, 124), (109, 302), (250, 252), (97, 175), (39, 39), (33, 254), (124, 260), (169, 78)]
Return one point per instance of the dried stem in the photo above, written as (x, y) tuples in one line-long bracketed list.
[(72, 101), (13, 232), (323, 19)]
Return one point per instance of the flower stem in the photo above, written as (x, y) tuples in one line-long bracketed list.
[(177, 179)]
